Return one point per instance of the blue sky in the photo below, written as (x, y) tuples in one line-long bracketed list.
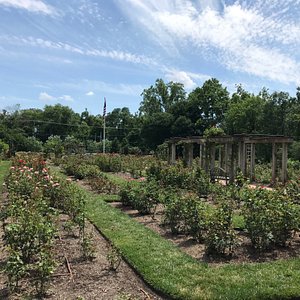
[(76, 52)]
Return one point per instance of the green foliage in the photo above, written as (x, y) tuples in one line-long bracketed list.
[(245, 115), (114, 258), (143, 196), (220, 238), (109, 163), (270, 218), (213, 131), (181, 178), (207, 104), (72, 145), (102, 184), (3, 149), (161, 97), (34, 196), (88, 247), (45, 267), (31, 230), (54, 144), (15, 269), (33, 144), (263, 173), (186, 214)]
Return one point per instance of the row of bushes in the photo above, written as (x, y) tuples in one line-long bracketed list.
[(177, 176), (79, 164), (271, 218), (35, 198)]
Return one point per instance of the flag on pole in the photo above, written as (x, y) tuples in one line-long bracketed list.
[(104, 108)]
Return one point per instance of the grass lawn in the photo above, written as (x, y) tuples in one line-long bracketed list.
[(4, 167)]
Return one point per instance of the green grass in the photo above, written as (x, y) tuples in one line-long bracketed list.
[(116, 179), (111, 198), (4, 167), (174, 273)]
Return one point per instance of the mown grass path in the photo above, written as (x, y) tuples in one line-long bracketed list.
[(4, 167)]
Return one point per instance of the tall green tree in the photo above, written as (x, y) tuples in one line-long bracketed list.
[(207, 104), (245, 115), (60, 120), (161, 96)]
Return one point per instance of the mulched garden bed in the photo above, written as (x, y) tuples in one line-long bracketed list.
[(243, 253), (77, 278)]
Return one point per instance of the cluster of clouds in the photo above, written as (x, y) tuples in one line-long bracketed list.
[(43, 96), (75, 49), (259, 37), (246, 36), (35, 6)]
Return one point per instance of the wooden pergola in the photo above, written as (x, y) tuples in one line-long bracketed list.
[(235, 152)]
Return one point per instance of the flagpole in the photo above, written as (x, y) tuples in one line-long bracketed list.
[(104, 136), (104, 129)]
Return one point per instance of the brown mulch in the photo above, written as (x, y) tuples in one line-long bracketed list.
[(242, 254), (78, 278)]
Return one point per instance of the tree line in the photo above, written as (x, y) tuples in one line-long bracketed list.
[(166, 110)]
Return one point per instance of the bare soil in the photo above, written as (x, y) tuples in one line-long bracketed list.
[(85, 279)]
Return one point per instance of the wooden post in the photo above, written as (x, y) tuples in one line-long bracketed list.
[(226, 161), (274, 151), (185, 154), (220, 157), (243, 159), (230, 163), (252, 162), (173, 153), (190, 154), (205, 161), (284, 163), (240, 154), (201, 156), (212, 161)]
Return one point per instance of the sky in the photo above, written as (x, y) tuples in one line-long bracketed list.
[(76, 52)]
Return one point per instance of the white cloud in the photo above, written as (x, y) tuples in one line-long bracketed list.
[(112, 54), (241, 36), (66, 98), (90, 93), (181, 77), (100, 87), (46, 97), (35, 6), (189, 79)]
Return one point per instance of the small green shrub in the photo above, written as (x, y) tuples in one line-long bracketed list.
[(186, 213), (221, 238), (143, 196), (270, 218), (102, 184)]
